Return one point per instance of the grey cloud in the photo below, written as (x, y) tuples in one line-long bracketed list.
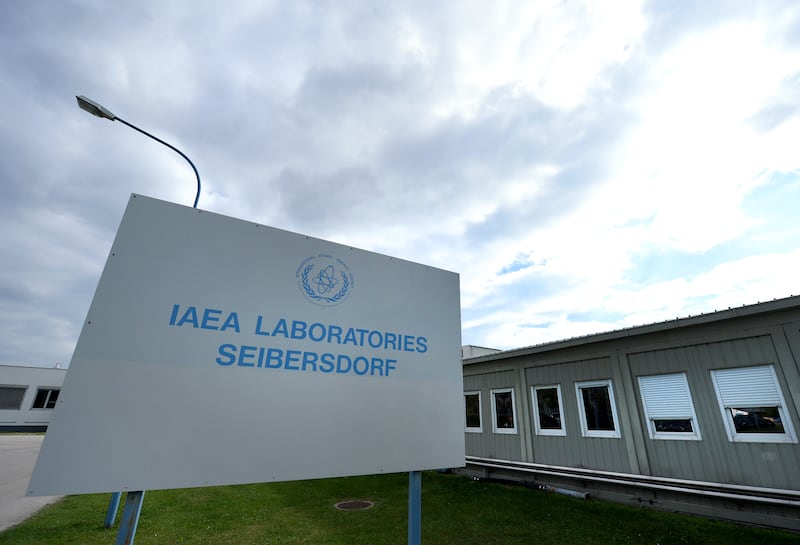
[(317, 200), (311, 116), (336, 91), (13, 291), (670, 20), (781, 108)]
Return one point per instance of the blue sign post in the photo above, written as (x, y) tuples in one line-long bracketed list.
[(130, 518), (113, 507), (415, 508)]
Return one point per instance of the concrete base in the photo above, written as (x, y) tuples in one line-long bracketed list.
[(744, 512)]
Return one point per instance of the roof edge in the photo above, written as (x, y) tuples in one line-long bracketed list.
[(698, 319)]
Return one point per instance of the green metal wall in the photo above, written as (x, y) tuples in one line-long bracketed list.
[(755, 339)]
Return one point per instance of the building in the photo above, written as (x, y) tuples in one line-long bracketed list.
[(698, 414), (28, 396)]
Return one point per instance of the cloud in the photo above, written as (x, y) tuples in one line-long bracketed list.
[(584, 165)]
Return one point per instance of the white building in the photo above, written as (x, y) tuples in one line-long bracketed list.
[(28, 396)]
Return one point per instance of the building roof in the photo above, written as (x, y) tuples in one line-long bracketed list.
[(688, 321), (56, 367)]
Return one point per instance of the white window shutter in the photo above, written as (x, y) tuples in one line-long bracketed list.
[(747, 387), (666, 397)]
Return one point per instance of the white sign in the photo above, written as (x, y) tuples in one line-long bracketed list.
[(218, 351)]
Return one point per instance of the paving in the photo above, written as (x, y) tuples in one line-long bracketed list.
[(17, 456)]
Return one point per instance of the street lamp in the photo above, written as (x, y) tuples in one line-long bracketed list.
[(134, 500), (96, 109)]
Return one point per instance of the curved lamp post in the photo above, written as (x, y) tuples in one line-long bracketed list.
[(96, 109), (133, 502)]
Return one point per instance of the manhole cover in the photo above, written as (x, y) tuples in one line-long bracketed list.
[(353, 505)]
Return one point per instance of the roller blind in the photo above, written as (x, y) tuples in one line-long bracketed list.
[(666, 397), (747, 387)]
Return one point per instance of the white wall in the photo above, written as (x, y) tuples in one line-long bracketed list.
[(32, 378)]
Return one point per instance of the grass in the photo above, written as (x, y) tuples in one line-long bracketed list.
[(455, 511)]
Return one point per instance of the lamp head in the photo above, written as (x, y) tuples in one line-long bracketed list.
[(94, 108)]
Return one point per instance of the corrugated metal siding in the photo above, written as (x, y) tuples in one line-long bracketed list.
[(489, 444), (756, 339), (715, 457), (574, 450)]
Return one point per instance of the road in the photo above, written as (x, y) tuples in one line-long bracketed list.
[(17, 457)]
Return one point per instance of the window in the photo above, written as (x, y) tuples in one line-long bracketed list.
[(472, 402), (752, 405), (668, 407), (46, 398), (11, 397), (597, 409), (503, 419), (547, 412)]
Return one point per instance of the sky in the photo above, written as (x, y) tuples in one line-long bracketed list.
[(584, 166)]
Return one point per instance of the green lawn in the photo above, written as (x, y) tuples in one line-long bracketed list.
[(455, 511)]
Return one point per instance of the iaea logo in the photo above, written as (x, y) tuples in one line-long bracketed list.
[(324, 280)]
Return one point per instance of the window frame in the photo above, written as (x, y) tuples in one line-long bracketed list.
[(688, 413), (16, 387), (585, 431), (734, 436), (537, 426), (504, 431), (47, 398), (479, 428)]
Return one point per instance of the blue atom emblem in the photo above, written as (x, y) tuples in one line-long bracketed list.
[(326, 280)]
